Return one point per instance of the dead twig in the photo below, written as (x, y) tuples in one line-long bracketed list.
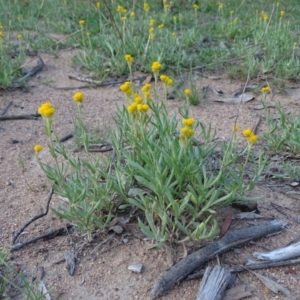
[(254, 266), (15, 237), (49, 235), (6, 108), (66, 137), (101, 84), (20, 117)]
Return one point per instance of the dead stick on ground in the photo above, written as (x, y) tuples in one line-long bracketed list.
[(20, 117), (15, 237), (254, 266), (193, 261), (6, 108), (49, 235)]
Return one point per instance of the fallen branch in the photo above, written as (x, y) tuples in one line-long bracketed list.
[(193, 261), (31, 73), (20, 117), (15, 237), (253, 266), (95, 83), (66, 137), (49, 235)]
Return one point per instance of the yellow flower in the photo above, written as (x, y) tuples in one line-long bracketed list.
[(1, 35), (175, 18), (148, 95), (81, 22), (121, 9), (37, 148), (161, 26), (277, 4), (188, 122), (126, 88), (247, 133), (146, 87), (282, 12), (253, 138), (151, 30), (166, 79), (129, 58), (19, 36), (266, 89), (173, 34), (156, 66), (231, 12), (98, 4), (78, 97), (143, 107), (132, 14), (137, 98), (236, 128), (220, 7), (46, 110), (132, 107), (195, 6), (186, 131), (266, 17), (235, 20), (187, 92), (146, 7), (151, 22), (123, 19)]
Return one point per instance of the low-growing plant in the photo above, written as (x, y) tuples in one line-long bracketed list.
[(283, 132), (175, 175)]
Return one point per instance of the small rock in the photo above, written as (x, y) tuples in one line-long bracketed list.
[(117, 229), (136, 267)]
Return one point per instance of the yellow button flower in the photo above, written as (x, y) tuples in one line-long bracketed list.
[(37, 148), (98, 4), (146, 7), (129, 58), (187, 92), (137, 98), (146, 87), (156, 66), (81, 22), (253, 138), (78, 97), (161, 26), (266, 89), (46, 110), (188, 122), (247, 132), (143, 107), (132, 107), (236, 128)]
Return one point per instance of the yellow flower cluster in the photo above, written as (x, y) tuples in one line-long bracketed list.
[(126, 88), (187, 131), (266, 89), (78, 97), (132, 14), (19, 36), (166, 79), (129, 59), (121, 9), (161, 26), (250, 135), (46, 110), (146, 7), (37, 148), (146, 91), (137, 105), (156, 66), (195, 6), (81, 22), (98, 4), (151, 23)]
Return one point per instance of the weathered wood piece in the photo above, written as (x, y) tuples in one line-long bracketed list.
[(193, 261), (284, 253), (214, 283)]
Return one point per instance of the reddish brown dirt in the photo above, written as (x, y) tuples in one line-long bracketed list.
[(24, 191)]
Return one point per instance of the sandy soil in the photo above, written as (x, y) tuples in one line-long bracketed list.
[(105, 275)]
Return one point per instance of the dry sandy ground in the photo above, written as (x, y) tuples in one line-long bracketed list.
[(24, 191)]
